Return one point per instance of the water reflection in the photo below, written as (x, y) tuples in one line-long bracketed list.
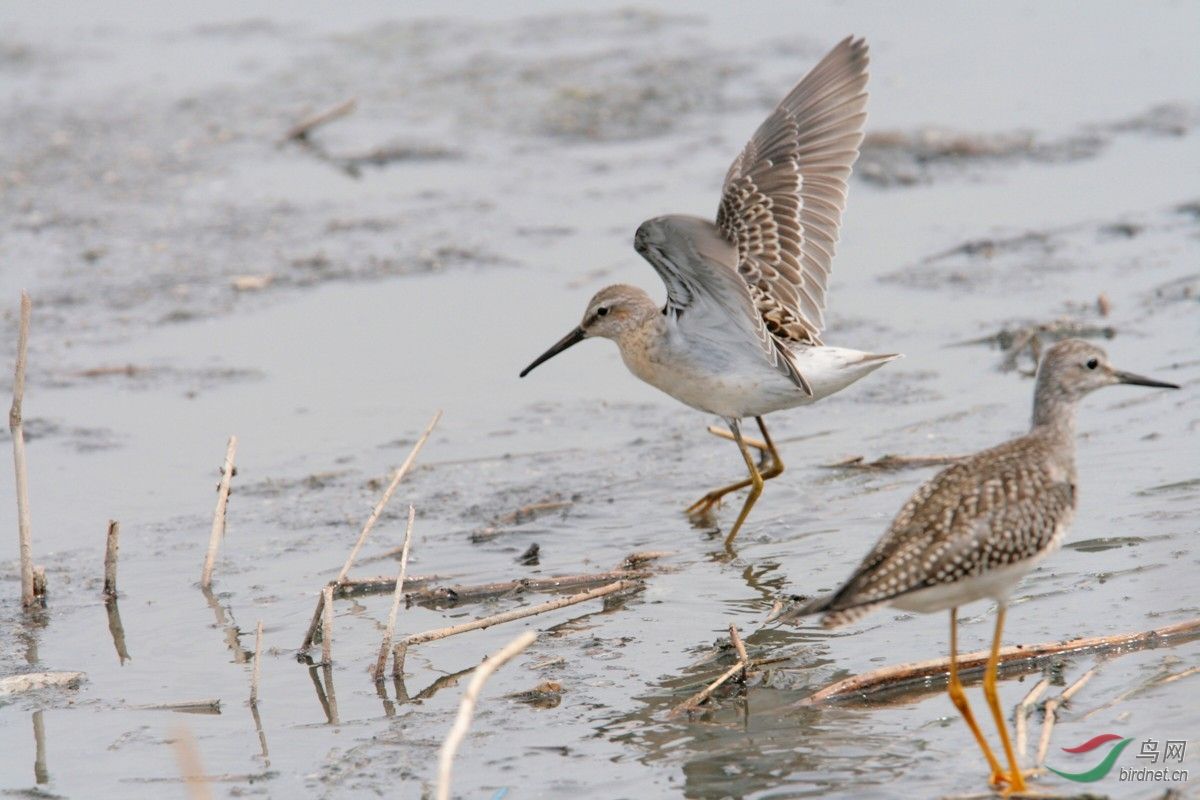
[(224, 620), (40, 773), (116, 629)]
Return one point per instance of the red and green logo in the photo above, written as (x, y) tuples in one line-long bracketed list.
[(1106, 764)]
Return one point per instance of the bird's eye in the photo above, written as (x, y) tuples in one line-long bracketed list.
[(602, 311), (1092, 363)]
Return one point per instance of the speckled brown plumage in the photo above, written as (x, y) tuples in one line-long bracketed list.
[(995, 509), (974, 529)]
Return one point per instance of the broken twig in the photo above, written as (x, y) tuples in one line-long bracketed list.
[(304, 127), (218, 524), (1022, 715), (386, 647), (327, 627), (185, 707), (387, 495), (401, 648), (743, 666), (466, 708), (892, 462), (111, 547), (16, 427), (254, 676), (902, 675), (1051, 713)]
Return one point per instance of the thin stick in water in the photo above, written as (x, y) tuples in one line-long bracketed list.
[(304, 127), (902, 675), (1051, 712), (111, 548), (327, 627), (743, 658), (466, 708), (387, 495), (15, 426), (385, 648), (699, 697), (218, 525), (254, 676), (401, 648), (188, 756), (1022, 715), (1050, 708)]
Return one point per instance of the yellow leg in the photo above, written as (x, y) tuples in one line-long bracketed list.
[(1014, 779), (756, 485), (757, 444), (959, 698), (705, 504)]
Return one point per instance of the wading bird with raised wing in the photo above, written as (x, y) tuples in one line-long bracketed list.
[(740, 333)]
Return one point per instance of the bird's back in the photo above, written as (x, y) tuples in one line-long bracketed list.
[(999, 508)]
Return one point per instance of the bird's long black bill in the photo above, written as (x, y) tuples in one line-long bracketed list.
[(1138, 380), (570, 340)]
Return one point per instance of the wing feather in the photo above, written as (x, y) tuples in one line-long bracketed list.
[(784, 195)]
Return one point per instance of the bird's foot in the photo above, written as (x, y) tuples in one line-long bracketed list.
[(1008, 783), (705, 505)]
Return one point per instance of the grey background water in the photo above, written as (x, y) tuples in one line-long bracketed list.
[(140, 176)]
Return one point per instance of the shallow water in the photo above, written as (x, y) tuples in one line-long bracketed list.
[(142, 177)]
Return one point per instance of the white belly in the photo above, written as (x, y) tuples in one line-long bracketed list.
[(749, 387)]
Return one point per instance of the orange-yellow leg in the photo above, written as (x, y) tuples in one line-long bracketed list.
[(959, 698), (705, 504), (1014, 778)]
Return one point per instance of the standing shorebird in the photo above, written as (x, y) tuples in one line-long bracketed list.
[(739, 335), (975, 529)]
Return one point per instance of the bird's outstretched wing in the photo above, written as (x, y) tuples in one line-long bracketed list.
[(704, 290), (784, 195)]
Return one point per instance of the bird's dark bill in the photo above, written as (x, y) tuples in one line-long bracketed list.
[(1138, 380), (570, 340)]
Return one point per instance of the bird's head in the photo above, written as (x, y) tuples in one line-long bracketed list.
[(613, 312), (1073, 368)]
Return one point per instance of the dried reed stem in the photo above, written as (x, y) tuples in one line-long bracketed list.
[(111, 548), (327, 627), (1051, 711), (699, 697), (460, 594), (185, 706), (1022, 715), (15, 426), (314, 624), (893, 462), (740, 648), (304, 127), (218, 524), (466, 708), (896, 676), (385, 648), (190, 767), (387, 495), (254, 676), (401, 648)]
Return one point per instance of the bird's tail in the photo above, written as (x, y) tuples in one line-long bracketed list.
[(791, 613)]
